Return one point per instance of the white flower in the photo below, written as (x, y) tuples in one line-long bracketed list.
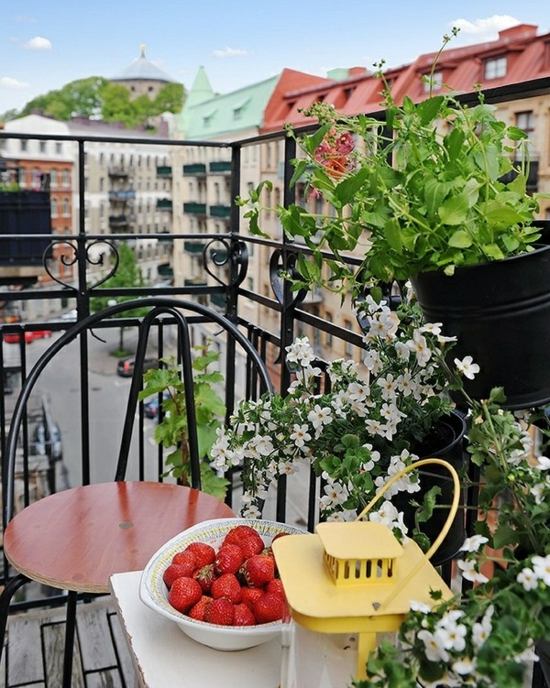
[(406, 384), (419, 346), (335, 494), (442, 339), (388, 516), (467, 367), (344, 515), (357, 391), (432, 328), (262, 445), (251, 511), (286, 468), (472, 544), (528, 579), (403, 351), (419, 607), (300, 352), (372, 305), (464, 666), (452, 636), (388, 385), (435, 651), (528, 655), (481, 631), (300, 435), (319, 416), (541, 567), (469, 572), (543, 463), (374, 427), (372, 361), (538, 491)]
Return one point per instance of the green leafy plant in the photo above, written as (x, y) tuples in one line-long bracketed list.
[(436, 186), (172, 430)]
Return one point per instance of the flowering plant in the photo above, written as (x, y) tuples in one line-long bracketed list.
[(435, 186), (356, 433)]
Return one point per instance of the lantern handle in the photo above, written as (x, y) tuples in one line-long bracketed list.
[(454, 505)]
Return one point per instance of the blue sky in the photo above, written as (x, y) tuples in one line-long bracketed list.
[(46, 44)]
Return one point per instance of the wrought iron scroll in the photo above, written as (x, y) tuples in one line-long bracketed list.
[(234, 253), (69, 261)]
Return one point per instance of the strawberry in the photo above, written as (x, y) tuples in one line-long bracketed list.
[(205, 576), (173, 572), (247, 539), (258, 570), (204, 554), (198, 611), (229, 559), (243, 616), (186, 559), (227, 586), (267, 552), (270, 607), (276, 585), (184, 593), (251, 595), (220, 612)]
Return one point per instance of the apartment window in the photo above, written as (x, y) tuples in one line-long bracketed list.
[(54, 207), (58, 147), (250, 283), (66, 178), (101, 210), (268, 156), (43, 147), (526, 121), (24, 145), (495, 67), (53, 178), (237, 113), (66, 212), (217, 193), (101, 158), (433, 82), (101, 183), (207, 121)]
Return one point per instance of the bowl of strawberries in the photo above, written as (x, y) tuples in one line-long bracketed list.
[(218, 582)]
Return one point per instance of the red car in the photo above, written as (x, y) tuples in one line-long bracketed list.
[(15, 337)]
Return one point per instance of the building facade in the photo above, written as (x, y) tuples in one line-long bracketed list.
[(142, 77)]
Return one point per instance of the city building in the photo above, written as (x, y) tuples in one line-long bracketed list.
[(142, 77)]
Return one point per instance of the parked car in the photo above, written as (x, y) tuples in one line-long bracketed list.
[(125, 367), (30, 336), (151, 406), (41, 446)]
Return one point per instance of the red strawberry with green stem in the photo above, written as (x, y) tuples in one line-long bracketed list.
[(198, 611), (205, 577), (229, 559), (173, 572), (204, 554), (258, 570)]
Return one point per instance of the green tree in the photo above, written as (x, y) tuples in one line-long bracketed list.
[(127, 275), (80, 98), (116, 105), (170, 98)]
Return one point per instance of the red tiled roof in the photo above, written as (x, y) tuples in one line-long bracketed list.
[(528, 57)]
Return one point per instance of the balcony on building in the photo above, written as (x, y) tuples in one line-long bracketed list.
[(194, 247), (197, 169), (122, 196), (164, 171), (194, 208), (120, 171), (120, 222), (218, 300), (164, 204), (220, 167), (220, 211)]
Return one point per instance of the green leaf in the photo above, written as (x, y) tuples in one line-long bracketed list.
[(300, 166), (393, 234), (428, 504), (516, 134), (504, 536), (312, 142), (429, 109), (454, 210), (348, 187), (211, 483), (460, 239), (453, 143), (493, 251), (435, 193)]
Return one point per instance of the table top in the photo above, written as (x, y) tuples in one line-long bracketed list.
[(166, 658)]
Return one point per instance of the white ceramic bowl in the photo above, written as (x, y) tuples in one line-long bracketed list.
[(154, 594)]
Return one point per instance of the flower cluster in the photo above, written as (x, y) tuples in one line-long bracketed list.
[(333, 153), (363, 430)]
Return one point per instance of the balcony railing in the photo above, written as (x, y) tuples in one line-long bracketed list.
[(220, 167), (164, 204), (164, 171), (119, 171), (194, 247), (194, 208), (286, 319), (221, 211), (122, 196), (198, 169)]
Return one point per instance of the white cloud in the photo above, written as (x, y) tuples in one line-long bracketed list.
[(230, 52), (486, 29), (38, 43), (25, 19), (11, 83)]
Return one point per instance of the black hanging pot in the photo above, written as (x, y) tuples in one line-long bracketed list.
[(446, 442), (500, 312)]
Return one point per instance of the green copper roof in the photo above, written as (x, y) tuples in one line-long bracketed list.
[(223, 114)]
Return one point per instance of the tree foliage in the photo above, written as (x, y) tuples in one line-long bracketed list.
[(97, 97)]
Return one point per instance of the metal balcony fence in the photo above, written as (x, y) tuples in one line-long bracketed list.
[(231, 291)]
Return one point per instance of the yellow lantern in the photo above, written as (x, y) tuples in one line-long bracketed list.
[(356, 577)]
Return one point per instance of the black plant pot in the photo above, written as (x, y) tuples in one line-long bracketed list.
[(500, 312), (445, 442)]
